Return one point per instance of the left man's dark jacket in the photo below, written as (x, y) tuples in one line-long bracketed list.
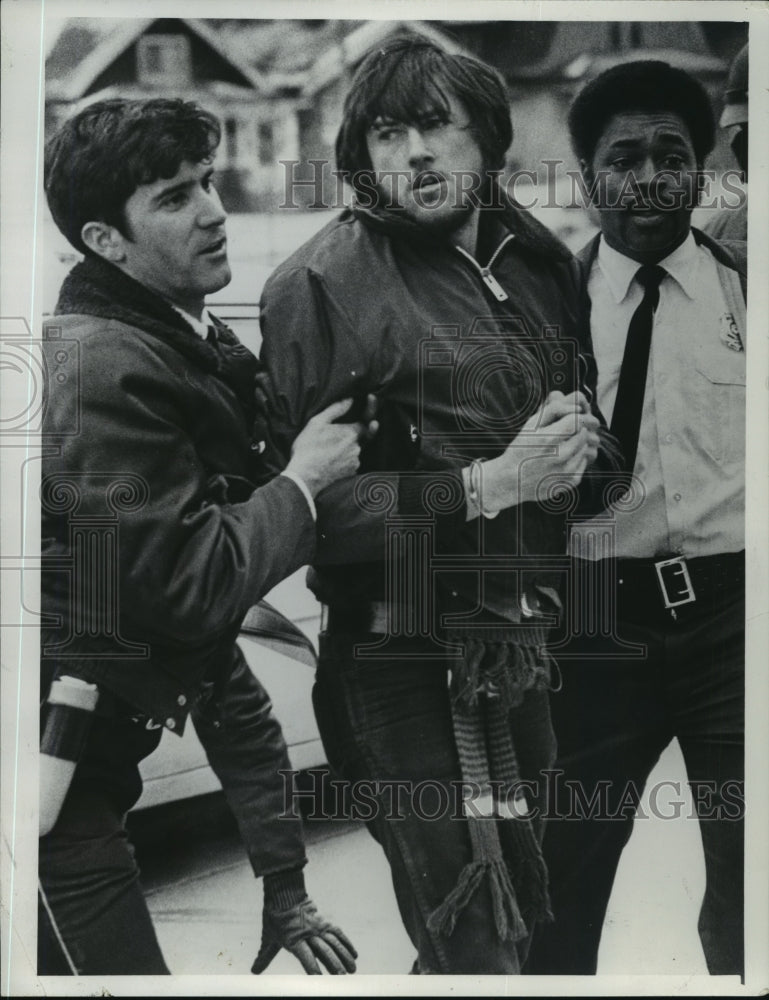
[(155, 541), (375, 303)]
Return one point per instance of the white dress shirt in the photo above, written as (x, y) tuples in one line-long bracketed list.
[(691, 449), (200, 326)]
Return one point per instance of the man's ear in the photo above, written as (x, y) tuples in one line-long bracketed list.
[(104, 240)]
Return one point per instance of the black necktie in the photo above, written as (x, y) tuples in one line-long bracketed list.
[(628, 407)]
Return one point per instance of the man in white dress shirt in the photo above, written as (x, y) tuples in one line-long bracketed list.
[(663, 574)]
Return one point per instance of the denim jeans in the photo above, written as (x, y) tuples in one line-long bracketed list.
[(388, 721), (612, 719)]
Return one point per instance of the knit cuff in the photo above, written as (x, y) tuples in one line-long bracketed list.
[(284, 890)]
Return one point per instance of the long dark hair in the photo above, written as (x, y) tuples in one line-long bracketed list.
[(408, 78)]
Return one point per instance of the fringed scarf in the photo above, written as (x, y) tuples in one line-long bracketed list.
[(488, 681)]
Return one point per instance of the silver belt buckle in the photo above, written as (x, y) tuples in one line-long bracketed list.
[(675, 582)]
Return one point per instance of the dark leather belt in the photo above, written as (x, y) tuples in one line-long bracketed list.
[(675, 588), (380, 618), (670, 588)]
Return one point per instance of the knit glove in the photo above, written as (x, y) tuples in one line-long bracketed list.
[(295, 924)]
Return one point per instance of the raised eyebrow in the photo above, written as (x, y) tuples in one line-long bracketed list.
[(380, 122), (173, 189), (632, 143), (183, 186), (673, 137)]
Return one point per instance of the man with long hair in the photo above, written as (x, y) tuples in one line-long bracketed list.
[(461, 313)]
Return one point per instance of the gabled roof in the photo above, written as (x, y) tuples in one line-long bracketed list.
[(343, 56), (111, 38), (283, 47)]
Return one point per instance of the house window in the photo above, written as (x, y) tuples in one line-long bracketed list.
[(163, 59), (266, 143)]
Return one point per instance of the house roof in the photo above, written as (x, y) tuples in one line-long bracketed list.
[(283, 56), (283, 47), (70, 70), (584, 48), (346, 53), (591, 64)]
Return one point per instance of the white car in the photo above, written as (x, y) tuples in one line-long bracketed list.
[(281, 651)]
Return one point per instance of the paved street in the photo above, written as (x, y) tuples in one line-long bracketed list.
[(206, 904)]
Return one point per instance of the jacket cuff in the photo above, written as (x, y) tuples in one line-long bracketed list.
[(305, 491), (284, 890)]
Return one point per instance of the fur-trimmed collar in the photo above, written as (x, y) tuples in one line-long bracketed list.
[(97, 288)]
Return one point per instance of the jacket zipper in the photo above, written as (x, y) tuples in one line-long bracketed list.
[(485, 272)]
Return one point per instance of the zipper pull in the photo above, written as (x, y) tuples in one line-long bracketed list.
[(491, 282)]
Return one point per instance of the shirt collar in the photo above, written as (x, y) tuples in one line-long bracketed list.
[(620, 270), (200, 326)]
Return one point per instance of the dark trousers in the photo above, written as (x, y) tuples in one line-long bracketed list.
[(92, 916), (386, 721), (613, 718)]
